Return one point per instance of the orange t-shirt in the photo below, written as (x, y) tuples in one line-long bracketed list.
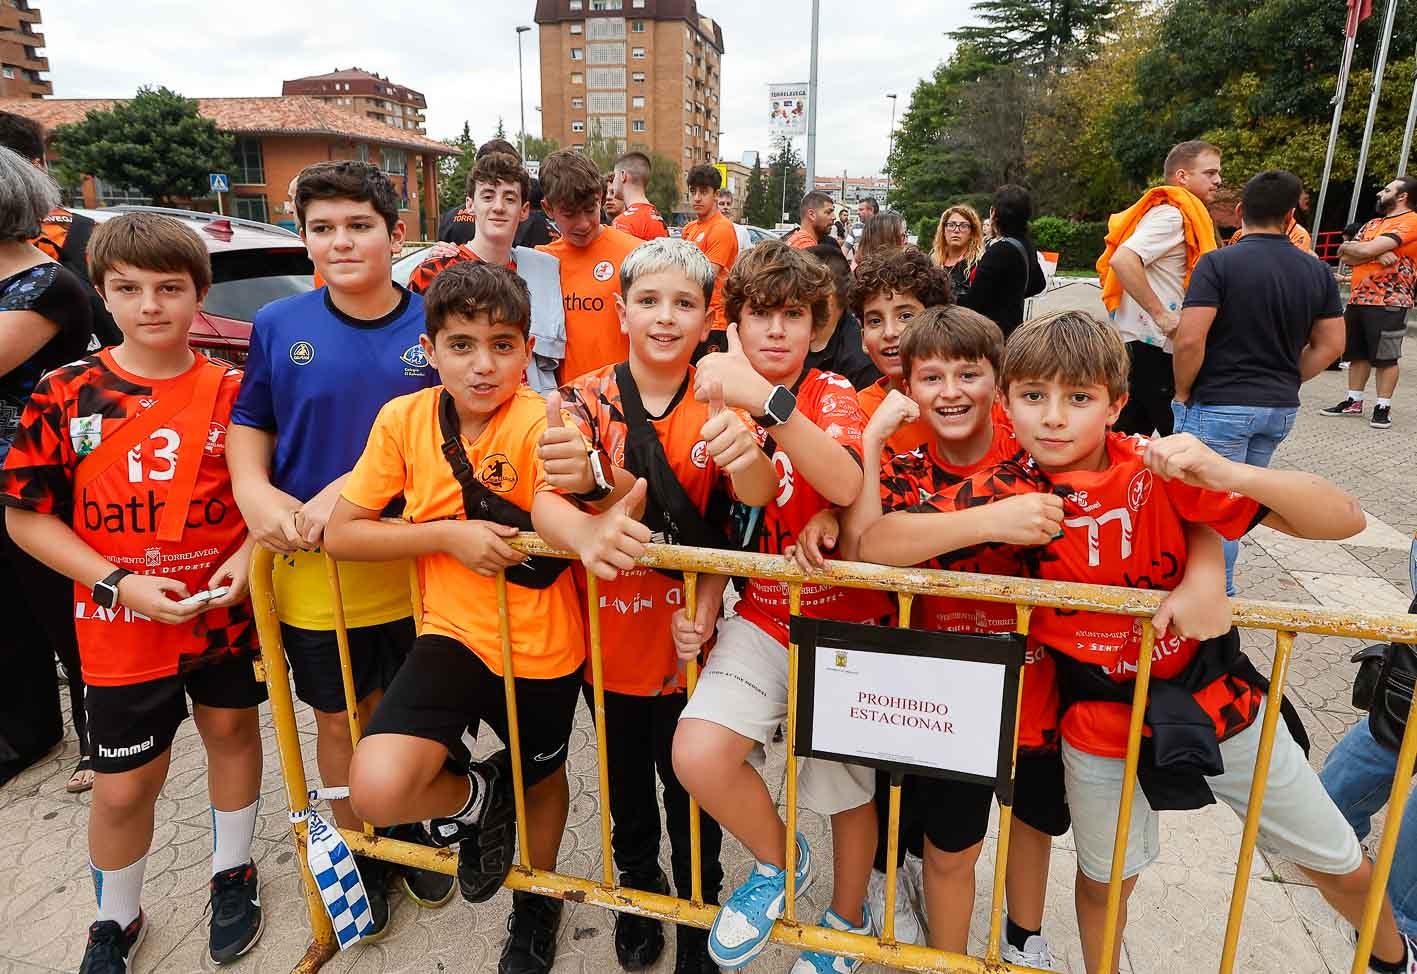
[(1297, 235), (70, 413), (405, 457), (642, 220), (637, 609), (1392, 287), (590, 282), (801, 239), (910, 436), (718, 239)]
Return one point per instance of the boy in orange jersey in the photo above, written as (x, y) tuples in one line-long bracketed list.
[(118, 479), (712, 233), (638, 215), (590, 256), (643, 414), (887, 293), (1127, 502)]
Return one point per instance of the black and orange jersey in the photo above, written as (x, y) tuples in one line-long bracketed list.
[(118, 511), (1122, 526), (424, 273), (1394, 286)]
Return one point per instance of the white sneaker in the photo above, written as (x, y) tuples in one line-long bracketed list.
[(1037, 952), (915, 880), (907, 927)]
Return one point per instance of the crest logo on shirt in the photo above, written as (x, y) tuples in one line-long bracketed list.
[(603, 271), (215, 446), (86, 433), (1139, 491), (497, 473), (152, 558), (699, 454), (302, 353), (413, 356)]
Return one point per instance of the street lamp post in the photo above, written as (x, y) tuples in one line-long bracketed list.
[(521, 89), (890, 149)]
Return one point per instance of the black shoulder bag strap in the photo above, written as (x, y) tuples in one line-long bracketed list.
[(480, 504)]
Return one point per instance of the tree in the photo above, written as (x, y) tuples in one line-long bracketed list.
[(1040, 33), (600, 148), (755, 200), (789, 162), (666, 187), (157, 143), (453, 170), (501, 132), (538, 148)]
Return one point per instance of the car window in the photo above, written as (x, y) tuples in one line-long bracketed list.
[(406, 265), (244, 281)]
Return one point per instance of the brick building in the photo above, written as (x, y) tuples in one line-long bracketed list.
[(645, 72), (21, 65), (365, 93), (276, 137)]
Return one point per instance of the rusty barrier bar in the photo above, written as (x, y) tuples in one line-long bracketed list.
[(1024, 594)]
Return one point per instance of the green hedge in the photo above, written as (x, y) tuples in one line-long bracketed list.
[(925, 232), (1078, 244)]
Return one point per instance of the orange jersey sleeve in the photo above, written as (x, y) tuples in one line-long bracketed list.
[(910, 436), (1393, 287)]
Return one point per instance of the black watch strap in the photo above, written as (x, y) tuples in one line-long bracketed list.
[(105, 592)]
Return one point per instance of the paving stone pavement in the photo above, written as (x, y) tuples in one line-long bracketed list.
[(1178, 909)]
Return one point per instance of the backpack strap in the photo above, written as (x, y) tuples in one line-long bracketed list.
[(479, 503)]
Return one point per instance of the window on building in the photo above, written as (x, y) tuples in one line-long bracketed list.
[(579, 147), (688, 152), (577, 54), (607, 54), (577, 27), (577, 78), (638, 53), (578, 103), (607, 78), (578, 126), (638, 4), (607, 103), (638, 77), (361, 152), (606, 4), (688, 129), (637, 27), (250, 208), (611, 126), (250, 165), (396, 162), (637, 102), (689, 57), (9, 73), (638, 125), (110, 195), (607, 29), (575, 5)]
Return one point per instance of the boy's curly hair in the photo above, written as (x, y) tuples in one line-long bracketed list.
[(906, 271), (773, 275)]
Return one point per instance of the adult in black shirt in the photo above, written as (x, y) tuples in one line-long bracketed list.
[(838, 347), (1260, 317), (1009, 271)]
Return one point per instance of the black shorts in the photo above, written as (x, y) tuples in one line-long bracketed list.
[(445, 689), (375, 654), (957, 813), (1375, 334), (130, 725)]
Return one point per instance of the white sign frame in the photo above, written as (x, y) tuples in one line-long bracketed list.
[(928, 703), (788, 107)]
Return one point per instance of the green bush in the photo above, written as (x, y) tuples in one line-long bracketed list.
[(1077, 243), (925, 232)]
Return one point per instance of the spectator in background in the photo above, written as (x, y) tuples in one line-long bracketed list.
[(816, 217), (837, 346), (45, 321), (725, 206), (1294, 230), (1260, 318), (840, 226), (959, 244), (884, 232), (866, 209), (536, 230), (1009, 271), (639, 218), (614, 204), (63, 234), (456, 226), (712, 233)]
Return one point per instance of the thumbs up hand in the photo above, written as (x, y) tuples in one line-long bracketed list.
[(742, 387), (563, 452), (611, 542), (729, 441)]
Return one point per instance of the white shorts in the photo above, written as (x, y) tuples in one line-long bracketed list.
[(1298, 822), (744, 687)]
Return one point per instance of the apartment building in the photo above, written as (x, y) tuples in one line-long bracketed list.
[(364, 93), (22, 67)]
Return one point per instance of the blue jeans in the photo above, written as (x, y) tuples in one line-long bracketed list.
[(1358, 777), (1247, 434)]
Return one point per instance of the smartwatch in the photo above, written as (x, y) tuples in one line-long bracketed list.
[(105, 592), (604, 486), (778, 409)]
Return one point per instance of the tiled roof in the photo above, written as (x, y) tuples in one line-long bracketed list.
[(277, 115)]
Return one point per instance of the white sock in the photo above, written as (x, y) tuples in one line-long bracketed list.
[(471, 811), (231, 836), (1356, 396), (1383, 403), (119, 891)]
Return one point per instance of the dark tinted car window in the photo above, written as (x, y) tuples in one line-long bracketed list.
[(244, 281)]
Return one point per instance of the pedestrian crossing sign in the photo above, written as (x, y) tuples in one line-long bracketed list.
[(220, 182)]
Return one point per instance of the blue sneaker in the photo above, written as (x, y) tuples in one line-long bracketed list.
[(741, 929), (816, 962)]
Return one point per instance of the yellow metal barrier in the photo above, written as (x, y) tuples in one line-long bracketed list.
[(1283, 619)]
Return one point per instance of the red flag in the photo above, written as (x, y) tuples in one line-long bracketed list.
[(1358, 11)]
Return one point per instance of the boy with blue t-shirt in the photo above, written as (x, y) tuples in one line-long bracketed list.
[(321, 365)]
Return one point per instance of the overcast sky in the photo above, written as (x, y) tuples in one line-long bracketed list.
[(462, 55)]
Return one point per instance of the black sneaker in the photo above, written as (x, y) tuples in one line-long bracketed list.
[(531, 935), (237, 920), (424, 886), (1382, 418), (111, 948), (691, 954), (640, 940), (374, 875), (485, 849), (1349, 407)]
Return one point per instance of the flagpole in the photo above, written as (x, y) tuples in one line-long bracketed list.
[(1407, 132), (1372, 108), (1338, 100)]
